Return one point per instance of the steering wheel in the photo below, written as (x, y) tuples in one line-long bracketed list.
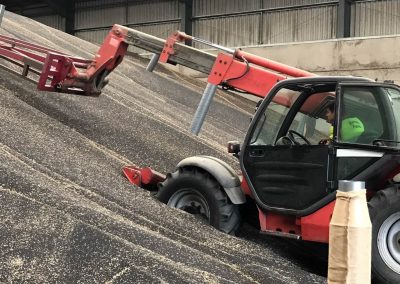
[(292, 134)]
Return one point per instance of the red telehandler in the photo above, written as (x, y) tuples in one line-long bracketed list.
[(289, 173)]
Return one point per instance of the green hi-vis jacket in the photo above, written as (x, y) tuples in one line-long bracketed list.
[(350, 129)]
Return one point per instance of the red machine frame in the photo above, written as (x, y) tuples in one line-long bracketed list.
[(255, 75), (236, 69)]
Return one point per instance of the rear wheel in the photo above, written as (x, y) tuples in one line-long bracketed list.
[(384, 209), (196, 192)]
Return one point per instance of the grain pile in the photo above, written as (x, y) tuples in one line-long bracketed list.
[(66, 213)]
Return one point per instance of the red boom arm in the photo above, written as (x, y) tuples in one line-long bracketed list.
[(239, 69)]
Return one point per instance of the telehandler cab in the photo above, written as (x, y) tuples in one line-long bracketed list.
[(291, 178)]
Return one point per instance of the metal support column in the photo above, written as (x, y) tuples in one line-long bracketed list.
[(344, 18), (186, 10), (261, 23), (2, 9), (126, 12), (203, 107), (70, 17)]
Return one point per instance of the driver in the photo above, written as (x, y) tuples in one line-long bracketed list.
[(351, 127)]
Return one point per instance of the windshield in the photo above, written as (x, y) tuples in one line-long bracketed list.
[(305, 107), (271, 119)]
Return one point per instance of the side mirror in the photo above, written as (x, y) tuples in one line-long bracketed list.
[(234, 147)]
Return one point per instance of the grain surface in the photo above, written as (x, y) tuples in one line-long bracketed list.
[(66, 213)]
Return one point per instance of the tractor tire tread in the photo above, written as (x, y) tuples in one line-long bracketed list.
[(229, 215), (380, 204)]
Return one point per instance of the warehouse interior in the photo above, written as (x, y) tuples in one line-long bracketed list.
[(220, 21), (273, 29), (67, 213)]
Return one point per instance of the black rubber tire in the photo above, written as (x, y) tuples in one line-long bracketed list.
[(223, 215), (383, 207)]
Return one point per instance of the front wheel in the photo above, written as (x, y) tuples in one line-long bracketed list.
[(384, 209), (196, 192)]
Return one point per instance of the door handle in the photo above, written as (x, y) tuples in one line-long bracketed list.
[(257, 153)]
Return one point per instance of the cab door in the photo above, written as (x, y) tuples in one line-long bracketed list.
[(291, 174), (361, 150)]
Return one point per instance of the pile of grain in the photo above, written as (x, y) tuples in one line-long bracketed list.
[(66, 213)]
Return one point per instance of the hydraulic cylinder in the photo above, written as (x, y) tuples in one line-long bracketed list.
[(202, 109)]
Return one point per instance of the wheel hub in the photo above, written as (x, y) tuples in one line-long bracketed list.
[(191, 201), (389, 242)]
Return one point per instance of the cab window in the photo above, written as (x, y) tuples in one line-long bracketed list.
[(270, 121), (369, 115), (311, 121), (294, 111)]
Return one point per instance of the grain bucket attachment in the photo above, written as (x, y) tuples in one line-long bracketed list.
[(56, 71)]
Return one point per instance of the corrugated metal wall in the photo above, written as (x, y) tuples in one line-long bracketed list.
[(54, 21), (212, 7), (234, 22), (158, 18), (93, 19), (371, 18), (288, 3), (147, 11), (229, 31), (92, 14), (264, 21), (306, 24)]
